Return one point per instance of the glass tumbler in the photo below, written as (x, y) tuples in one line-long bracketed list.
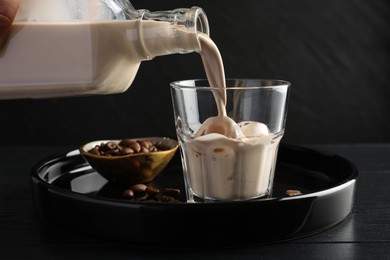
[(220, 168)]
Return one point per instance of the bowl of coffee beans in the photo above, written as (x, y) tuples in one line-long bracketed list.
[(130, 161)]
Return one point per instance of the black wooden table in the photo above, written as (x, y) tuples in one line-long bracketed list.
[(364, 235)]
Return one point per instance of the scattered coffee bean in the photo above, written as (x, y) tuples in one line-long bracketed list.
[(142, 192), (152, 190), (139, 188), (171, 192), (293, 192), (129, 193)]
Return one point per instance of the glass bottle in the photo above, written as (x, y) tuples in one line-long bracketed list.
[(59, 48)]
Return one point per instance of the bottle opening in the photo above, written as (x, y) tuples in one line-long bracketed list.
[(198, 16), (185, 27), (197, 22)]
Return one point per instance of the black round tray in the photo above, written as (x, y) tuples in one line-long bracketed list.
[(68, 194)]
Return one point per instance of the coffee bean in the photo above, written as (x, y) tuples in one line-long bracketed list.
[(128, 193), (139, 188), (171, 192), (111, 145), (126, 142), (144, 150), (125, 151), (146, 144), (136, 147), (113, 152), (153, 149), (152, 190), (95, 151)]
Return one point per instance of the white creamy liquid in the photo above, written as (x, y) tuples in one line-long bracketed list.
[(226, 160), (66, 59), (223, 168)]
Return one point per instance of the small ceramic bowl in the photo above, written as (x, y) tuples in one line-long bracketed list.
[(134, 168)]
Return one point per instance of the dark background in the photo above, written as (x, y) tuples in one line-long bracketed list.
[(335, 53)]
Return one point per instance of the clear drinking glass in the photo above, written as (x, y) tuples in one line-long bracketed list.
[(217, 168)]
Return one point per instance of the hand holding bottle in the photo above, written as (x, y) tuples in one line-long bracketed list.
[(8, 10)]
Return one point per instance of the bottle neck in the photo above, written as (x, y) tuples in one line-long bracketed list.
[(169, 32)]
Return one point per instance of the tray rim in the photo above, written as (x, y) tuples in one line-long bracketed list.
[(75, 213)]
